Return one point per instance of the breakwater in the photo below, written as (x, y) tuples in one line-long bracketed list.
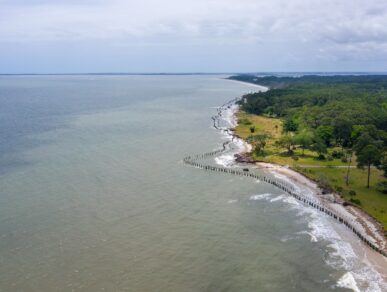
[(198, 161)]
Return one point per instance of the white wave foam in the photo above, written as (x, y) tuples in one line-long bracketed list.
[(265, 196), (273, 198), (237, 145), (228, 115), (348, 281), (228, 159), (292, 201), (286, 238), (370, 279), (225, 160), (278, 198), (312, 237), (342, 255)]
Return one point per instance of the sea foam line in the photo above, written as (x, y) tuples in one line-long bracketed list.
[(317, 231), (343, 256)]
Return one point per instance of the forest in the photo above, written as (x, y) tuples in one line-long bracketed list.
[(325, 120)]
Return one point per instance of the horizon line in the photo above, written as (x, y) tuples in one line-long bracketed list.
[(197, 73)]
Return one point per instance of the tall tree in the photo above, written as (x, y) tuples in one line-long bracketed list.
[(290, 125), (319, 146), (286, 141), (325, 133), (368, 156), (260, 141), (342, 129), (349, 159), (383, 165), (304, 139)]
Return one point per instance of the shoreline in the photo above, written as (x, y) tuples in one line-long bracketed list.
[(363, 252), (347, 246), (365, 223), (262, 87)]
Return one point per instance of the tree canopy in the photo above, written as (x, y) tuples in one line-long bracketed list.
[(349, 112)]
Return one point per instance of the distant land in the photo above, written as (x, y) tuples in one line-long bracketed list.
[(258, 74)]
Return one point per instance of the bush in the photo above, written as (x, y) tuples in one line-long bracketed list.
[(344, 159), (337, 154), (295, 158), (352, 193), (290, 125), (252, 129), (382, 187), (323, 183), (355, 201), (321, 157), (329, 157), (338, 189)]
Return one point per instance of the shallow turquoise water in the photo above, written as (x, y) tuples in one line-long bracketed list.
[(94, 195)]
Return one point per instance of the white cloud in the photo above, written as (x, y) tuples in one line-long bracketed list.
[(117, 18), (327, 27)]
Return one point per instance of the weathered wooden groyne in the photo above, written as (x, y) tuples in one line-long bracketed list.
[(198, 162)]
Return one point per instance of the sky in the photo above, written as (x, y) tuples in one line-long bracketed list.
[(85, 36)]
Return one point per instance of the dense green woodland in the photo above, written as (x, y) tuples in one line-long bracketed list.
[(320, 112)]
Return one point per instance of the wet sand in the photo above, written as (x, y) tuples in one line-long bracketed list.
[(365, 223)]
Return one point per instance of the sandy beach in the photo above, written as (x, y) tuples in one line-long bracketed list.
[(365, 223), (367, 261)]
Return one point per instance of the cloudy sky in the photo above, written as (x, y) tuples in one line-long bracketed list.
[(61, 36)]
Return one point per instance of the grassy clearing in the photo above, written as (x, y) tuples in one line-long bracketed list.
[(333, 171), (261, 124), (370, 200)]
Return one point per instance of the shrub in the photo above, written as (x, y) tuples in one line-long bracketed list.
[(329, 157), (352, 193), (337, 154), (323, 182), (338, 189), (355, 201), (295, 158), (290, 125), (321, 157), (252, 129), (382, 187), (344, 159)]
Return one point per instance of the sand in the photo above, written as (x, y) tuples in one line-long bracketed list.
[(364, 222)]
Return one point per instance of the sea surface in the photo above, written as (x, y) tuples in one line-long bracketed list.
[(94, 195)]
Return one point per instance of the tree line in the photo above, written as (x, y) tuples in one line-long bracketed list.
[(319, 112)]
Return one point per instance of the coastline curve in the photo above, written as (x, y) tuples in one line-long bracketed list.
[(197, 161)]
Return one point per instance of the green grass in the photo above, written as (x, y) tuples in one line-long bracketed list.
[(261, 124), (370, 200)]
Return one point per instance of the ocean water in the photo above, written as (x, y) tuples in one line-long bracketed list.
[(94, 195)]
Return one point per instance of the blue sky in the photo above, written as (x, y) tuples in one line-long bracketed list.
[(74, 36)]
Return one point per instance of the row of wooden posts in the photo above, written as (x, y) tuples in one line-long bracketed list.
[(288, 188)]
